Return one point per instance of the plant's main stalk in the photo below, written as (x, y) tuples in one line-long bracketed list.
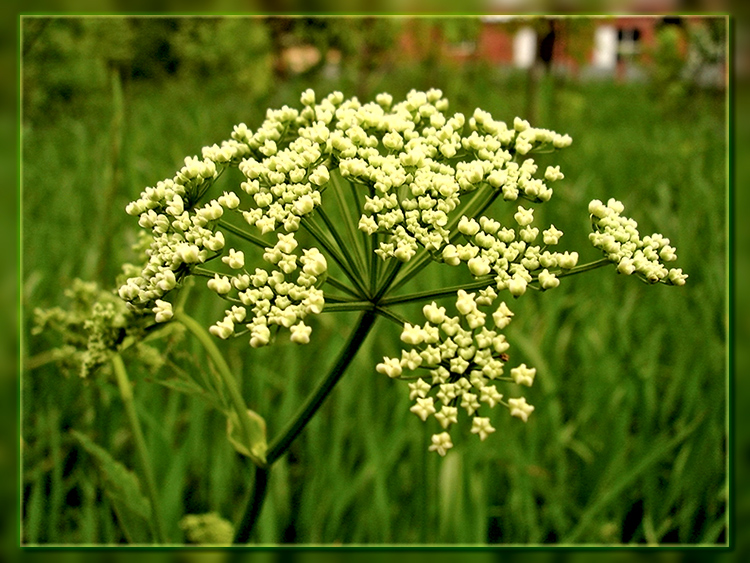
[(280, 445)]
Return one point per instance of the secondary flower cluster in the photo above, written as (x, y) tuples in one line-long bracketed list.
[(465, 360), (284, 181), (273, 298), (418, 162), (94, 325), (512, 256), (618, 238), (182, 235)]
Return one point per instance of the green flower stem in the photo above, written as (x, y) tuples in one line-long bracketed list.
[(243, 234), (355, 261), (419, 262), (205, 187), (584, 268), (229, 381), (475, 201), (480, 284), (437, 293), (126, 394), (370, 242), (203, 272), (414, 266), (333, 298), (280, 445), (391, 316), (353, 232), (340, 285), (347, 306), (394, 267), (322, 239), (252, 510), (494, 193)]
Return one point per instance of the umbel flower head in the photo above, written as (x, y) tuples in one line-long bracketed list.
[(412, 162), (463, 359), (424, 180)]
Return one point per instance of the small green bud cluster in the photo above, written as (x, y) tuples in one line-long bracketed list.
[(207, 529), (92, 328), (618, 238), (465, 360), (272, 298)]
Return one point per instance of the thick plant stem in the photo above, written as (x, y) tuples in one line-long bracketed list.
[(252, 511), (126, 393), (228, 379), (280, 445)]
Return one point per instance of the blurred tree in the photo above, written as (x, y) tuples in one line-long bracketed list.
[(556, 39), (668, 58), (67, 60), (154, 57), (689, 54), (434, 37), (227, 50), (361, 49)]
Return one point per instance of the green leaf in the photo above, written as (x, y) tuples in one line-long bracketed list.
[(183, 386), (123, 489), (257, 446)]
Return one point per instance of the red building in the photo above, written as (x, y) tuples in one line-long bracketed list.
[(615, 46)]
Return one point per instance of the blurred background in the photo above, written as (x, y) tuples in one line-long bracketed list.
[(629, 441)]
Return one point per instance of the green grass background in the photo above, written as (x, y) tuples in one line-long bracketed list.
[(628, 443)]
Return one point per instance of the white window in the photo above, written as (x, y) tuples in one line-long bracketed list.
[(524, 48), (605, 47)]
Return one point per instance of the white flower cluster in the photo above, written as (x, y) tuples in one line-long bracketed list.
[(514, 257), (290, 165), (416, 183), (403, 152), (182, 235), (273, 299), (618, 238), (466, 360)]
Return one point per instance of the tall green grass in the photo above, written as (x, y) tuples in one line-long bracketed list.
[(628, 442)]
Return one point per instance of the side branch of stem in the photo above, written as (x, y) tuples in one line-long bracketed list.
[(228, 379), (243, 234)]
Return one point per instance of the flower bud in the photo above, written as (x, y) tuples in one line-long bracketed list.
[(548, 280), (479, 266), (163, 311), (220, 284)]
